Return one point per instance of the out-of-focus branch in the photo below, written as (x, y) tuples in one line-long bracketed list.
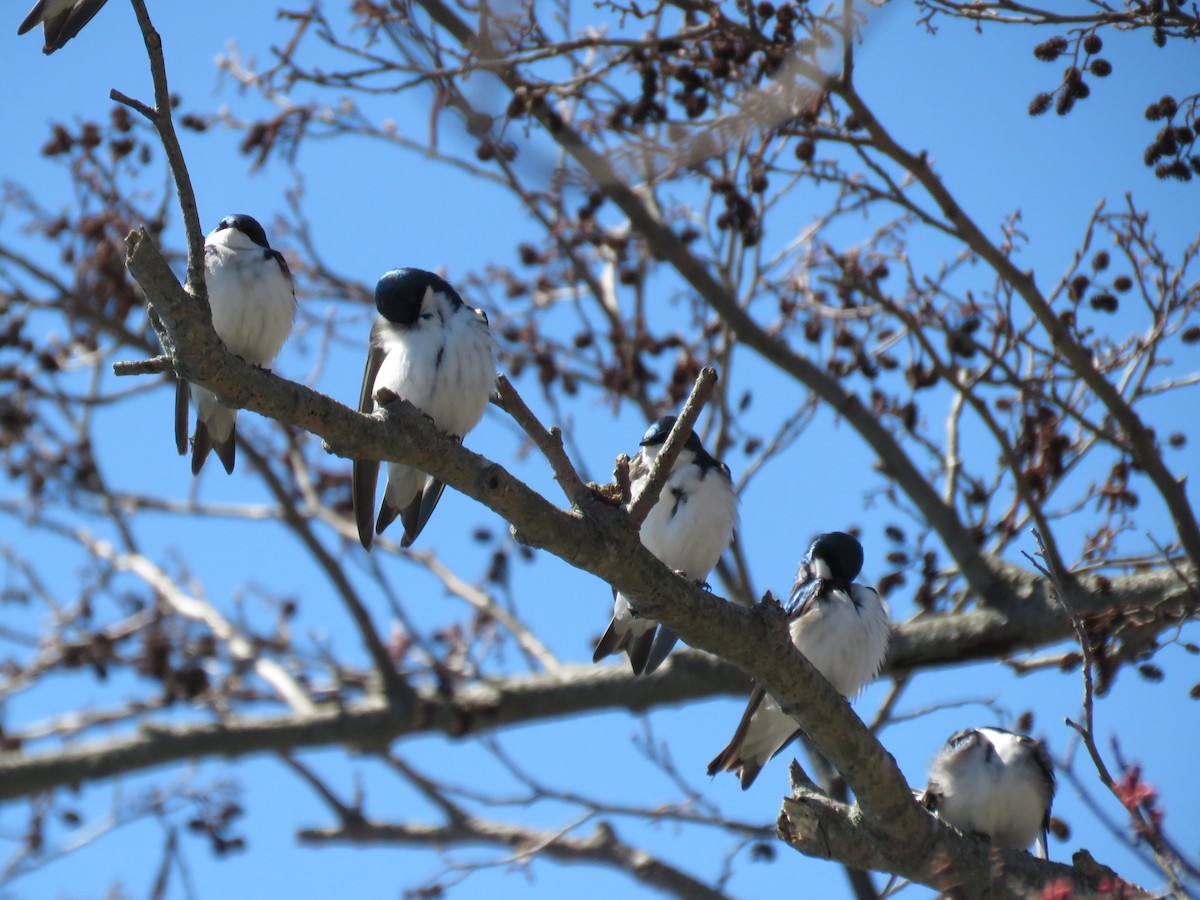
[(240, 649), (371, 724), (484, 603), (395, 688), (1006, 12), (602, 847), (966, 394)]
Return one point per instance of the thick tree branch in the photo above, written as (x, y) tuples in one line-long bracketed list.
[(917, 645), (479, 708), (935, 855)]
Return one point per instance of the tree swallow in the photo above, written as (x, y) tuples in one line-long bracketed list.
[(253, 306), (61, 20), (688, 529), (841, 627), (436, 352), (994, 783)]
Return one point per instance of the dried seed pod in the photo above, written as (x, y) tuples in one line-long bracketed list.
[(1050, 50)]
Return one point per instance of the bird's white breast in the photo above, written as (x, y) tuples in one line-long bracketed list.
[(445, 366), (253, 305), (844, 642), (692, 523)]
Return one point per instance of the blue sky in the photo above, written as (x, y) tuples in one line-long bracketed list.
[(372, 209)]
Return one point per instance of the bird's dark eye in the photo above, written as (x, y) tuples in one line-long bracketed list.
[(426, 315), (961, 739)]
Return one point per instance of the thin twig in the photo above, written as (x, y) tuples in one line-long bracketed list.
[(431, 790), (548, 441), (156, 365), (534, 649), (241, 650), (1151, 832), (348, 815), (160, 117), (621, 477), (665, 460), (395, 688)]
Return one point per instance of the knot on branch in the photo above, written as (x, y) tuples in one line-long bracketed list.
[(772, 614)]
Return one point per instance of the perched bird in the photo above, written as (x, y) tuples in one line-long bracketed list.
[(253, 306), (842, 628), (433, 350), (994, 783), (61, 20), (688, 529)]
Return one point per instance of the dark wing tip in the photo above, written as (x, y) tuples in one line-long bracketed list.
[(664, 643), (638, 649), (729, 760), (387, 515), (30, 21), (748, 773), (416, 514), (68, 24), (227, 453), (609, 643), (720, 762), (201, 446), (364, 474), (181, 416)]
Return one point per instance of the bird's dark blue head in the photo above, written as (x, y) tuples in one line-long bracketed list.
[(656, 435), (400, 293), (247, 225), (840, 552)]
